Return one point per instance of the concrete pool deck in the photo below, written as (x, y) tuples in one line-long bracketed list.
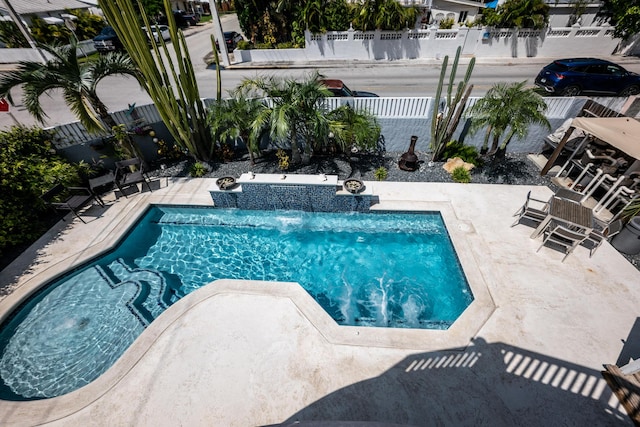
[(252, 354)]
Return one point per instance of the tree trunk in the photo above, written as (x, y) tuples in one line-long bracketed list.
[(494, 144), (295, 150), (485, 143), (103, 112)]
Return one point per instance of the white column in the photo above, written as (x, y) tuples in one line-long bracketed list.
[(218, 33)]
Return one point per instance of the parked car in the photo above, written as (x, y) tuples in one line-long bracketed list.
[(107, 41), (571, 77), (158, 31), (184, 19), (231, 38), (338, 88)]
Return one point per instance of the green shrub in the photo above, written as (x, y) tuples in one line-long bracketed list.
[(283, 159), (263, 46), (446, 24), (29, 167), (244, 45), (198, 170), (381, 173), (461, 175), (286, 45), (467, 153)]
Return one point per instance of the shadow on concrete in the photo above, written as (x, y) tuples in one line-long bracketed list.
[(490, 384)]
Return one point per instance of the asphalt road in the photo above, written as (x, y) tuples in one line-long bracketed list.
[(413, 78)]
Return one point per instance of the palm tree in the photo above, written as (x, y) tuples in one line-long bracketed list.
[(77, 80), (233, 118), (296, 111), (354, 129), (384, 15), (507, 110), (312, 14)]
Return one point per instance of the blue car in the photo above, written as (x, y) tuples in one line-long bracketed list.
[(571, 77)]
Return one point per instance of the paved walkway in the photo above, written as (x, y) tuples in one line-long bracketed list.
[(249, 354)]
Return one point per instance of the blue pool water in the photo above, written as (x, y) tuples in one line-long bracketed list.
[(380, 269)]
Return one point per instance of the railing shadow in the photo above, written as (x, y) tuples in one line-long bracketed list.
[(494, 384)]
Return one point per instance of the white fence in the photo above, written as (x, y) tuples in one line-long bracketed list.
[(436, 43), (387, 109)]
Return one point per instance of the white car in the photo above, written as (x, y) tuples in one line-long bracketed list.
[(158, 31)]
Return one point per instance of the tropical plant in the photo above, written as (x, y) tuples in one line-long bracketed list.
[(283, 159), (233, 119), (171, 84), (311, 14), (11, 36), (507, 110), (86, 26), (461, 175), (467, 153), (266, 21), (77, 80), (339, 15), (384, 15), (381, 173), (624, 15), (517, 14), (447, 112), (168, 151), (354, 129), (446, 24), (631, 210), (28, 169), (296, 111), (124, 146), (198, 170)]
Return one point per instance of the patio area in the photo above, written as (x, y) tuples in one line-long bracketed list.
[(240, 353)]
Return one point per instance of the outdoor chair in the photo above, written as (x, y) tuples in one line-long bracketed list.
[(596, 237), (562, 237), (529, 215), (72, 199), (98, 184), (129, 173)]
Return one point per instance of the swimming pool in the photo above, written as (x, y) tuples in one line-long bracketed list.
[(380, 269)]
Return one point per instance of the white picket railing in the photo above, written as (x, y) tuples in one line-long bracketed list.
[(383, 107)]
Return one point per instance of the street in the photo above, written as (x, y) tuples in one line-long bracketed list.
[(388, 79)]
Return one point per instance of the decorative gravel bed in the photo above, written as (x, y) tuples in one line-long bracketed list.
[(515, 169)]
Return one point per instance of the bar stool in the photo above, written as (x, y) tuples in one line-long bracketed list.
[(622, 194), (602, 180)]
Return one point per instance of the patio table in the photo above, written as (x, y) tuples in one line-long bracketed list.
[(569, 212)]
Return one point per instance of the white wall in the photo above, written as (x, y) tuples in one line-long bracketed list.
[(435, 43)]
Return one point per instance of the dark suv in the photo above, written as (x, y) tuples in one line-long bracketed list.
[(571, 77), (182, 18), (231, 39), (107, 41)]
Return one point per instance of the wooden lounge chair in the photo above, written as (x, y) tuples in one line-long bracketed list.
[(129, 173), (72, 199)]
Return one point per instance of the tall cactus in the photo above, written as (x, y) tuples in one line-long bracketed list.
[(444, 122), (170, 84)]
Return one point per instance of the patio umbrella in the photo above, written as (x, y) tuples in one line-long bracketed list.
[(619, 132)]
